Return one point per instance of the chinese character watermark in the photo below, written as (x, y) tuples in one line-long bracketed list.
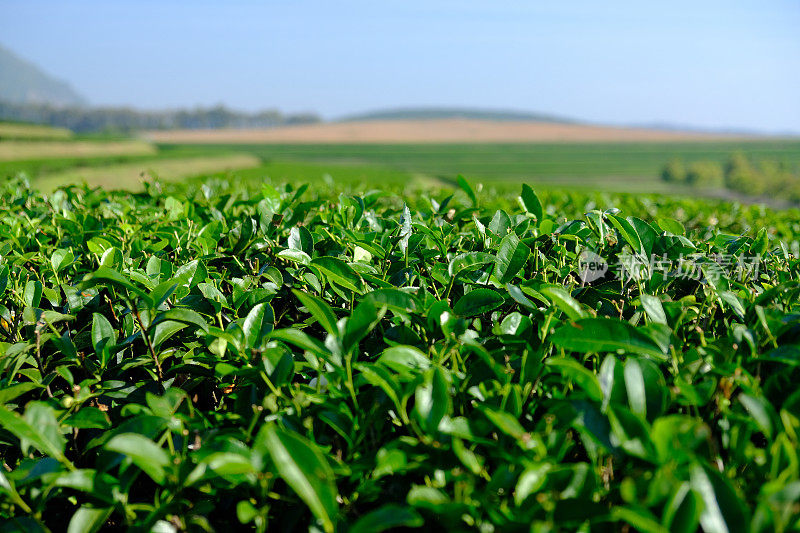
[(696, 267)]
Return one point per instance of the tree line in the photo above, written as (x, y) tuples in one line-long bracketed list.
[(123, 119), (740, 174)]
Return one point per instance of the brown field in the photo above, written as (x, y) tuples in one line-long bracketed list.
[(23, 150), (429, 131)]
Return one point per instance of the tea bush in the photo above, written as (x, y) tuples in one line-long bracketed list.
[(206, 357)]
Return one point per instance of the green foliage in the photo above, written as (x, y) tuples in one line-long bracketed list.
[(705, 174), (767, 177), (674, 171), (208, 357), (741, 176), (625, 167)]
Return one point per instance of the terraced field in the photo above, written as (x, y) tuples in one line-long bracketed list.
[(11, 130), (104, 162), (15, 150), (127, 175)]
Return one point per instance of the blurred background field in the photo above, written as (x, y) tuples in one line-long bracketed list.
[(129, 175), (11, 150), (619, 166), (23, 131)]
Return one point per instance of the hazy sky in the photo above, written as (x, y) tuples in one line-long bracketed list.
[(703, 63)]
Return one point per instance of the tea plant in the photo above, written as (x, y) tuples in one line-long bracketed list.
[(208, 357)]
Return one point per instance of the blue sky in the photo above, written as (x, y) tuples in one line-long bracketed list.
[(707, 64)]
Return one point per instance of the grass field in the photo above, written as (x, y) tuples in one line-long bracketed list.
[(300, 171), (633, 167), (39, 167)]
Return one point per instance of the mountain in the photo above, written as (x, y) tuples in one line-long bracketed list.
[(431, 113), (22, 82)]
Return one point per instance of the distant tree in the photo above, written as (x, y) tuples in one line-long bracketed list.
[(741, 176), (792, 189), (120, 119), (707, 174), (674, 171)]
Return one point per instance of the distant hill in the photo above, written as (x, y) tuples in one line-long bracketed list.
[(22, 82), (437, 113), (28, 95)]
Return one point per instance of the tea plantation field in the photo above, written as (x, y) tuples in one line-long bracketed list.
[(101, 160), (229, 353)]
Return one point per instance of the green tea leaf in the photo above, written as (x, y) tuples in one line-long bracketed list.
[(32, 293), (606, 335), (671, 225), (320, 310), (39, 429), (107, 276), (564, 301), (723, 511), (258, 323), (88, 519), (386, 517), (469, 261), (300, 239), (581, 376), (143, 452), (530, 202), (303, 467), (103, 334), (511, 258), (61, 259), (339, 272), (467, 189), (652, 306), (432, 399), (477, 302)]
